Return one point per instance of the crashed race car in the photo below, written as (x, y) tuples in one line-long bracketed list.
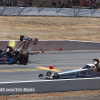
[(89, 70), (11, 56)]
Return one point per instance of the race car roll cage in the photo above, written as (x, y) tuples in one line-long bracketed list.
[(25, 46), (26, 43), (21, 55)]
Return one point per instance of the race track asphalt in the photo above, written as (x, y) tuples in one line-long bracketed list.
[(39, 63)]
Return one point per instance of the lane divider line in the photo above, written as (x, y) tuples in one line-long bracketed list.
[(39, 68)]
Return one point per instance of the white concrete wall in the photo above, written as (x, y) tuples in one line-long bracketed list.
[(42, 86)]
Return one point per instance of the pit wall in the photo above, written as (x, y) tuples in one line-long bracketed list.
[(39, 11), (55, 45)]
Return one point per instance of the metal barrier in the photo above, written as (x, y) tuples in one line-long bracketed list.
[(33, 11)]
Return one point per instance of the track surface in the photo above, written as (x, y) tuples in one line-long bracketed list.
[(61, 60)]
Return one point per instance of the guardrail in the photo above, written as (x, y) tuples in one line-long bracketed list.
[(33, 11), (53, 45), (42, 86)]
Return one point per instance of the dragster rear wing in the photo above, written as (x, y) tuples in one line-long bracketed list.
[(35, 40)]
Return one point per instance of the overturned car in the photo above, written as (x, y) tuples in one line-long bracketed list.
[(11, 56)]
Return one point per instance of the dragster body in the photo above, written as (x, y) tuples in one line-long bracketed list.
[(5, 59), (85, 72)]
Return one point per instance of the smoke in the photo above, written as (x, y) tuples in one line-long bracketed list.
[(12, 44)]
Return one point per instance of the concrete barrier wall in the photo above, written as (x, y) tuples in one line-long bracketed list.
[(33, 11), (43, 86), (54, 45), (88, 84)]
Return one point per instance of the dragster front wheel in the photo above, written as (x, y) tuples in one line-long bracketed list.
[(40, 75), (48, 73), (21, 38)]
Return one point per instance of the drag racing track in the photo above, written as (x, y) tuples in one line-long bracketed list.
[(39, 63)]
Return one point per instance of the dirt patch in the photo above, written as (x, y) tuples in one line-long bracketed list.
[(50, 28), (71, 95)]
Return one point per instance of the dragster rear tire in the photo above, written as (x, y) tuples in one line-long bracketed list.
[(24, 59), (55, 76)]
